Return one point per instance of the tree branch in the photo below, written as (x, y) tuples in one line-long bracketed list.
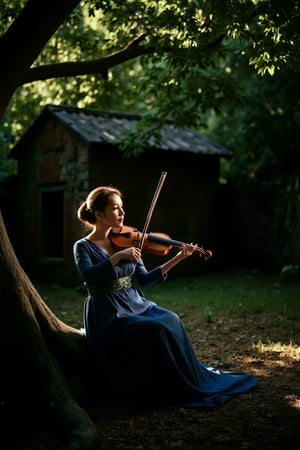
[(100, 65)]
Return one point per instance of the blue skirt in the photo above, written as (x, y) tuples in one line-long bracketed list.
[(149, 360)]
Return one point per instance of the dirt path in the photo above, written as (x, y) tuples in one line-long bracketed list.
[(266, 419)]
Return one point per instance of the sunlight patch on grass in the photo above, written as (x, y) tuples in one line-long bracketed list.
[(293, 401), (290, 350)]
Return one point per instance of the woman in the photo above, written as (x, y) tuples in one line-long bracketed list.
[(144, 350)]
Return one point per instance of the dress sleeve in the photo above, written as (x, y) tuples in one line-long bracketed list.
[(145, 277), (92, 270)]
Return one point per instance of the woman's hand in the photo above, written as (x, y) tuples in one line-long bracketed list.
[(187, 250), (133, 253)]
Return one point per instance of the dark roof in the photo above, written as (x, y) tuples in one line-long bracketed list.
[(97, 127)]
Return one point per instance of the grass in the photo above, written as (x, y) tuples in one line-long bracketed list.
[(221, 293), (229, 293), (237, 320), (290, 350)]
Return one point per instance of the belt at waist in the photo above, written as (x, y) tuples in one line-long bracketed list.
[(115, 285)]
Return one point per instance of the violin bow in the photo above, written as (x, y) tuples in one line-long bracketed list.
[(152, 206)]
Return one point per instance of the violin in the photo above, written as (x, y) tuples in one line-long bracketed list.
[(156, 243)]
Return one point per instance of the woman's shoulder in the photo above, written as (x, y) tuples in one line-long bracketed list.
[(81, 240), (86, 245), (81, 243)]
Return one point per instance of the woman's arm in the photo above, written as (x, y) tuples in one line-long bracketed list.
[(185, 251), (145, 277), (92, 270)]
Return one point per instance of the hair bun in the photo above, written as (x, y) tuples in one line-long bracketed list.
[(85, 214)]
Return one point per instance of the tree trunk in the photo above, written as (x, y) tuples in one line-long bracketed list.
[(39, 353), (21, 44)]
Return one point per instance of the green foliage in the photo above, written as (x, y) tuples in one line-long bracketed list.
[(7, 167), (198, 51), (262, 132), (291, 271), (279, 36), (9, 10)]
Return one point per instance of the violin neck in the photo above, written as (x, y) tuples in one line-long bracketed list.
[(162, 240)]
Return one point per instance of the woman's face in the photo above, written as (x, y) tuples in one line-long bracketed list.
[(113, 215)]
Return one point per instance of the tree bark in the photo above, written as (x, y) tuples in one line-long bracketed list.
[(25, 39), (39, 353)]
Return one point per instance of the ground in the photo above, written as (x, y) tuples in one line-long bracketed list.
[(267, 418)]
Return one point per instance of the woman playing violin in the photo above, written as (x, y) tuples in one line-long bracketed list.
[(144, 350)]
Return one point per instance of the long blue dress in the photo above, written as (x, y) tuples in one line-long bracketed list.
[(144, 350)]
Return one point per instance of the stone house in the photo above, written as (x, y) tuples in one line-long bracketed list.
[(68, 151)]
